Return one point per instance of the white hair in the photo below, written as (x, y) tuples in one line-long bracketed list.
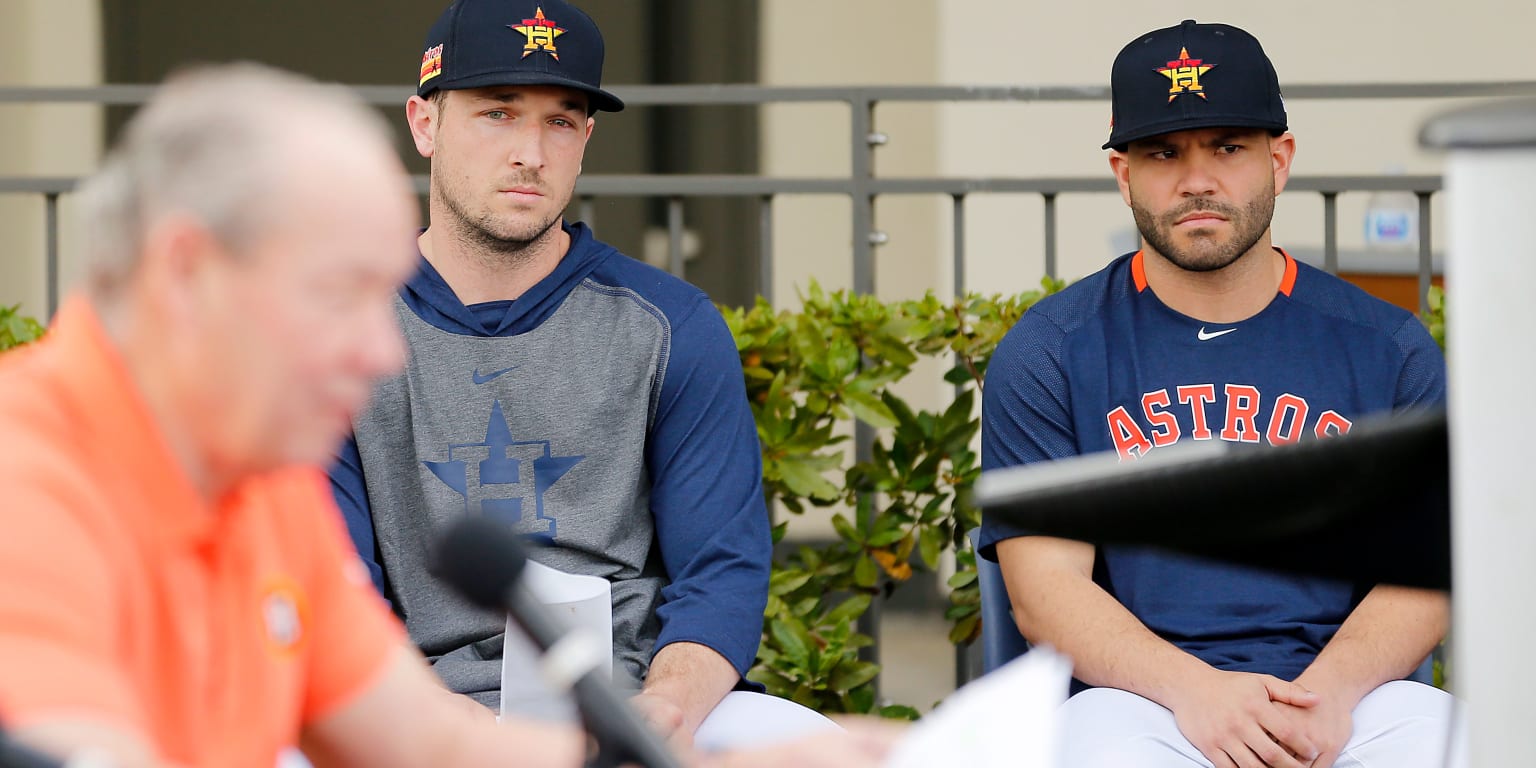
[(210, 145)]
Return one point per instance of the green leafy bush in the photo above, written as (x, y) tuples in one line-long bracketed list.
[(1434, 316), (17, 329), (810, 375)]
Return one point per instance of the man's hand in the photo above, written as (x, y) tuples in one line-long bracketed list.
[(685, 682), (1327, 725), (1243, 720), (666, 718), (1384, 638)]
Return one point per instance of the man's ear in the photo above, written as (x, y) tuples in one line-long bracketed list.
[(422, 116), (176, 265), (1120, 165), (1282, 151)]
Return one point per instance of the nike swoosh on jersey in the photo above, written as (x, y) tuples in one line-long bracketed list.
[(483, 379), (1203, 336)]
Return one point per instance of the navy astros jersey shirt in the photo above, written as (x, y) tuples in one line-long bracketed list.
[(1106, 366)]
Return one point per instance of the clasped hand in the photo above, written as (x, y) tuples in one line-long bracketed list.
[(1244, 720)]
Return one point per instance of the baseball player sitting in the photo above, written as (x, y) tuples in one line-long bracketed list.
[(1210, 332)]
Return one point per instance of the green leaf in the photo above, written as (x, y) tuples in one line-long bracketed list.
[(891, 350), (805, 696), (865, 572), (965, 597), (768, 679), (17, 329), (792, 639), (930, 543), (779, 531), (966, 629), (852, 675), (775, 606), (803, 478), (869, 409), (846, 530), (785, 582), (805, 606), (848, 610), (860, 700), (899, 712)]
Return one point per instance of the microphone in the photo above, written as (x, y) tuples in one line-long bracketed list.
[(1372, 505), (14, 755), (484, 561)]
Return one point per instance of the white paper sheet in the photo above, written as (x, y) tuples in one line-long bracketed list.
[(582, 603), (1006, 719)]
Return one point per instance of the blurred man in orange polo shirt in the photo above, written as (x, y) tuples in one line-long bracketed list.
[(175, 585)]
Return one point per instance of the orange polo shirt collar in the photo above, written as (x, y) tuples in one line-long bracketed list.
[(125, 437)]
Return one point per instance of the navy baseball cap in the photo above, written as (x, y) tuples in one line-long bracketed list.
[(1192, 76), (479, 43)]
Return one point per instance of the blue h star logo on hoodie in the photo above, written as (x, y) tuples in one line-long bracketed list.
[(499, 485)]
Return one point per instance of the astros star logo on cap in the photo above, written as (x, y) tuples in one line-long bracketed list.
[(541, 33), (1184, 75)]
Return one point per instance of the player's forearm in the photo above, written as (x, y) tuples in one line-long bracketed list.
[(1387, 635), (1056, 602), (406, 718), (1108, 646), (692, 676)]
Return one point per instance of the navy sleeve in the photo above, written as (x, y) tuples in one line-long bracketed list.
[(1421, 382), (1026, 414), (352, 497), (707, 494)]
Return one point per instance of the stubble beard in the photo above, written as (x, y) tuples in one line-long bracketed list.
[(1207, 253), (496, 239)]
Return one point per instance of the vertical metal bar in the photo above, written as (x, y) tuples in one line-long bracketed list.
[(1331, 232), (869, 623), (675, 236), (861, 121), (962, 665), (765, 248), (1050, 233), (959, 248), (51, 249), (587, 212), (765, 290), (1426, 252), (962, 650)]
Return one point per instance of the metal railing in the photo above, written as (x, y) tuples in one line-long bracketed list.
[(860, 185)]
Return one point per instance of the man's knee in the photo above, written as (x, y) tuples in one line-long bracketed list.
[(1405, 700), (1404, 723), (1111, 728)]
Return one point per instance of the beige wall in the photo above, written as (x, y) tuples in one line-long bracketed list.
[(811, 42), (44, 43)]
